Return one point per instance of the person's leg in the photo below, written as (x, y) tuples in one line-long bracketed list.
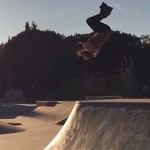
[(94, 21), (96, 25)]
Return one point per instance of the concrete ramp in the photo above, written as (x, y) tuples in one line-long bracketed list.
[(53, 114), (106, 125)]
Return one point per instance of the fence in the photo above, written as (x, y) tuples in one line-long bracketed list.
[(127, 86)]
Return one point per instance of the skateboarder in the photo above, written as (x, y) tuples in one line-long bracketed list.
[(101, 34)]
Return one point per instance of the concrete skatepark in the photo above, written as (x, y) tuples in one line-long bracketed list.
[(29, 127), (115, 124)]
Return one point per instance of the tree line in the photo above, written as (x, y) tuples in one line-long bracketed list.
[(46, 59)]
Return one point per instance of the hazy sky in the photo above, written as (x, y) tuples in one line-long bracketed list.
[(68, 16)]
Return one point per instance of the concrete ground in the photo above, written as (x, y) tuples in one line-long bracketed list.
[(28, 127)]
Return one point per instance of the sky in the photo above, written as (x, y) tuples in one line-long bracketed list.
[(69, 16)]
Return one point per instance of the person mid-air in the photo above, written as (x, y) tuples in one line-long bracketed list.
[(101, 33)]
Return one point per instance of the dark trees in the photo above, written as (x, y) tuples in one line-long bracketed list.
[(46, 58)]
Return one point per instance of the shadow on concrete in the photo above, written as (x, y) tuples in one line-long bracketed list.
[(10, 111)]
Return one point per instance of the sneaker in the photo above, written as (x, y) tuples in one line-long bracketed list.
[(103, 5), (105, 10)]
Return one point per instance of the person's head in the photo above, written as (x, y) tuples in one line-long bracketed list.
[(87, 55)]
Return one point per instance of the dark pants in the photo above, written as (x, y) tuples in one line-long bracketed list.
[(96, 25)]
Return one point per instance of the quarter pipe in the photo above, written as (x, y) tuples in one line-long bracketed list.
[(105, 125)]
